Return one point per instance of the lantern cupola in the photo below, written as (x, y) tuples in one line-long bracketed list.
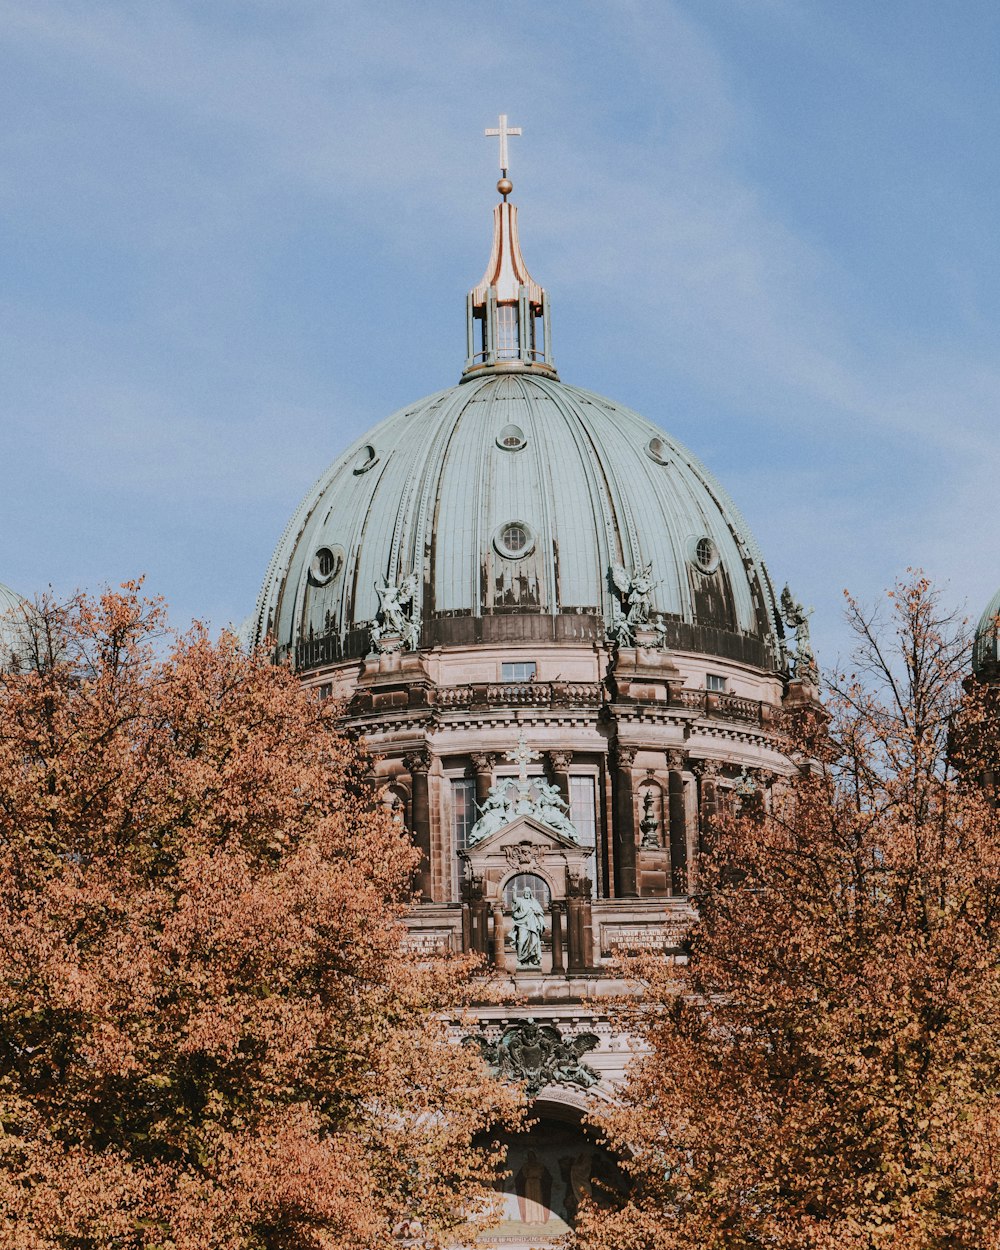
[(507, 314)]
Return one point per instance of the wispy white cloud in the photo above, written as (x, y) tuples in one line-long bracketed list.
[(181, 145)]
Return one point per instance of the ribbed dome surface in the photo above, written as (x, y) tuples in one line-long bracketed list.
[(434, 488), (986, 650)]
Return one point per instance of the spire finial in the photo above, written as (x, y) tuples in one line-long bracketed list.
[(502, 132), (507, 313)]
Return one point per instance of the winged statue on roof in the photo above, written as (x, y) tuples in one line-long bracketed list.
[(633, 602), (395, 625)]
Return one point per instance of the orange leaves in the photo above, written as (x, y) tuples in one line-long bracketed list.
[(209, 1035), (827, 1072)]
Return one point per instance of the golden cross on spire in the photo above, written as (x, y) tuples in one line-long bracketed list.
[(502, 132)]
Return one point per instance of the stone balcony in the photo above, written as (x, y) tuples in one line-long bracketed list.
[(710, 705)]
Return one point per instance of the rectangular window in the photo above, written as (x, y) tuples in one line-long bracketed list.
[(583, 808), (463, 809), (714, 682), (520, 670)]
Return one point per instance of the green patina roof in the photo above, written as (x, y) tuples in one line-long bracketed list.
[(429, 488)]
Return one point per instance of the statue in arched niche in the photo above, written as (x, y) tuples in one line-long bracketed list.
[(529, 925)]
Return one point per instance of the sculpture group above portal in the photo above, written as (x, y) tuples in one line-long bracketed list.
[(796, 617), (396, 627), (537, 1055), (633, 602), (512, 797)]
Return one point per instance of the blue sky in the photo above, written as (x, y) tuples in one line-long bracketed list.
[(235, 235)]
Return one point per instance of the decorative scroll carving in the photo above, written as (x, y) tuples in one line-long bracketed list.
[(536, 1055), (397, 625), (632, 603), (523, 857)]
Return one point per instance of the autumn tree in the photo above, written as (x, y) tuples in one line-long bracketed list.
[(211, 1034), (825, 1071)]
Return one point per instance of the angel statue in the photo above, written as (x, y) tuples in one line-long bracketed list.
[(635, 600), (796, 617), (392, 621)]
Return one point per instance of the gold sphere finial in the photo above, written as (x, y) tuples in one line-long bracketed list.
[(505, 186)]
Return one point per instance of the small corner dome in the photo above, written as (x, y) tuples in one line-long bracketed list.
[(986, 648), (511, 496)]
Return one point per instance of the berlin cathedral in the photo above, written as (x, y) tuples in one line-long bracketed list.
[(561, 642)]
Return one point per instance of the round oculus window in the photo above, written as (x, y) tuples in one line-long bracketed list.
[(705, 554), (514, 539), (325, 565), (511, 438), (367, 458), (657, 449)]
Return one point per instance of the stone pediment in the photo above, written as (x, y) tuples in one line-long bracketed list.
[(527, 829), (528, 845)]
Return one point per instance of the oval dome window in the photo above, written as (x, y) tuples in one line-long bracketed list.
[(514, 539), (705, 554), (511, 438), (326, 565), (366, 459), (657, 449)]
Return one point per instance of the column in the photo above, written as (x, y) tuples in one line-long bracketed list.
[(706, 771), (559, 762), (499, 955), (624, 831), (677, 823), (558, 963), (418, 763), (483, 762), (579, 925)]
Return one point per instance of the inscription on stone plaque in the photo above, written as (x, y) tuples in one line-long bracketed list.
[(428, 941), (641, 939)]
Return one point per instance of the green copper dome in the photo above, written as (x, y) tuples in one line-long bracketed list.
[(514, 508), (986, 649), (511, 496)]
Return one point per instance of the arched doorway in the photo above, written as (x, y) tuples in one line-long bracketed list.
[(551, 1168)]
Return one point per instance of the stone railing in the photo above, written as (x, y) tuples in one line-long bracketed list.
[(717, 705), (520, 694), (709, 704)]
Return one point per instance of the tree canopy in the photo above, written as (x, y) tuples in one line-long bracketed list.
[(825, 1070), (211, 1033)]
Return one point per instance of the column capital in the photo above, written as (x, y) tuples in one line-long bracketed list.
[(560, 760), (623, 756), (708, 770), (418, 761), (677, 760), (483, 761)]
